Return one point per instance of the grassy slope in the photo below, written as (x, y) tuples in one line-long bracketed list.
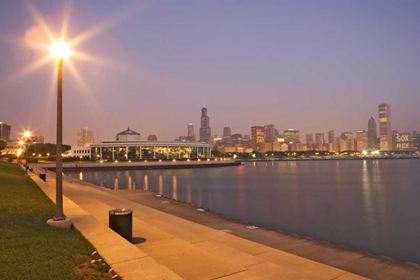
[(29, 248)]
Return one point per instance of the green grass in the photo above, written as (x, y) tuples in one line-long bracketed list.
[(29, 248)]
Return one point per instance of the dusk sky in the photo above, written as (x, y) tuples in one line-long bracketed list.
[(152, 65)]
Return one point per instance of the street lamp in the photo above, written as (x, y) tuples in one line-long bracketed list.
[(20, 153), (60, 50), (26, 136)]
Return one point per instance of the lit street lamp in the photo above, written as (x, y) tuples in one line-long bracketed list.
[(60, 50)]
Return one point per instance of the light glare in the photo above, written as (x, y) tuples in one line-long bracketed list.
[(60, 49)]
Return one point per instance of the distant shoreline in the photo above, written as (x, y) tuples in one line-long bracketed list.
[(134, 165), (322, 158)]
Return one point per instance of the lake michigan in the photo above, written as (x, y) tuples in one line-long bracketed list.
[(370, 205)]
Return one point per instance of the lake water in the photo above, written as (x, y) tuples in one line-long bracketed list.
[(370, 205)]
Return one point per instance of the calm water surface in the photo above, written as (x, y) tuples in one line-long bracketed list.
[(368, 205)]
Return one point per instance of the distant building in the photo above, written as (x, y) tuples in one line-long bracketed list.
[(346, 142), (217, 138), (269, 133), (394, 139), (291, 136), (236, 139), (310, 141), (182, 138), (13, 148), (404, 142), (257, 138), (36, 139), (190, 133), (416, 141), (78, 151), (226, 131), (331, 141), (319, 141), (128, 135), (85, 137), (372, 135), (362, 140), (5, 131), (152, 138), (227, 139), (144, 150), (205, 130), (385, 132)]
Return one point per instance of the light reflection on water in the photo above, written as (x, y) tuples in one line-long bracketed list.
[(174, 188), (146, 183), (364, 204)]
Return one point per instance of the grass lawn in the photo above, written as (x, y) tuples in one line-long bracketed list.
[(29, 248)]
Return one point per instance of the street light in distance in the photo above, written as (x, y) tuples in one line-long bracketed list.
[(61, 51), (26, 136)]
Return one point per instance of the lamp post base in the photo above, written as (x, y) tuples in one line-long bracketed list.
[(66, 223)]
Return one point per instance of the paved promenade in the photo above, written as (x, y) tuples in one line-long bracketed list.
[(173, 240)]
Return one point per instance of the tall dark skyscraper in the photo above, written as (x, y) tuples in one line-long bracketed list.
[(319, 141), (269, 133), (205, 130), (331, 141), (372, 135), (226, 131)]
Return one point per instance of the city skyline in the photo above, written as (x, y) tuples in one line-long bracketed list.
[(249, 64)]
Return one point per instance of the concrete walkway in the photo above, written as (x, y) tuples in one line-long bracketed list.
[(203, 246)]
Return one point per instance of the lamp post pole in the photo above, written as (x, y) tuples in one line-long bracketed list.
[(26, 156), (59, 215), (26, 135)]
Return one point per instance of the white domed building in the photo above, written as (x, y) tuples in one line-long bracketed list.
[(129, 146), (128, 135)]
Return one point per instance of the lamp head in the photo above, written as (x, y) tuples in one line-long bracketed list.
[(27, 134), (59, 49)]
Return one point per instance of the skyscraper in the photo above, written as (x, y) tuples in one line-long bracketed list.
[(385, 132), (346, 142), (227, 139), (269, 133), (226, 131), (190, 133), (205, 130), (310, 141), (85, 137), (362, 140), (291, 135), (331, 141), (257, 137), (319, 141), (5, 131), (372, 135)]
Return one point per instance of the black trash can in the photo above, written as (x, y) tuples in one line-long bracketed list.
[(121, 221), (43, 176)]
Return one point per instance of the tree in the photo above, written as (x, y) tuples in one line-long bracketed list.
[(2, 145)]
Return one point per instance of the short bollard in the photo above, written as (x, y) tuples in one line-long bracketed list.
[(121, 221), (43, 176)]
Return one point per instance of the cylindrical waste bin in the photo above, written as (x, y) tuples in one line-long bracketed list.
[(121, 221)]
